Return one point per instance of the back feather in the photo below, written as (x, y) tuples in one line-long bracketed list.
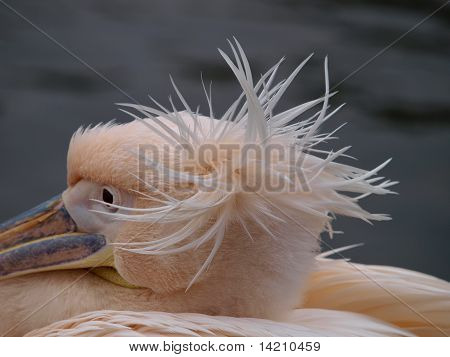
[(305, 322), (410, 300)]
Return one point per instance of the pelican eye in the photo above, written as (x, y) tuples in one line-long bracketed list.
[(110, 197)]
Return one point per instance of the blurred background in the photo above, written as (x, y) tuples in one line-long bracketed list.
[(397, 105)]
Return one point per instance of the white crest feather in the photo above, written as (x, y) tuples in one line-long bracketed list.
[(250, 119)]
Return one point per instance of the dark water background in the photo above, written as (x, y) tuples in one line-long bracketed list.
[(398, 105)]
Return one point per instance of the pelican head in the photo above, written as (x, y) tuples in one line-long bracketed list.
[(173, 212)]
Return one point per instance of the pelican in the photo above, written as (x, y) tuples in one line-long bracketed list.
[(171, 225)]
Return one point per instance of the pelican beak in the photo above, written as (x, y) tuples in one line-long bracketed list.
[(46, 238)]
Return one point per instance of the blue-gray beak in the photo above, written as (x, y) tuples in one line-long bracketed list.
[(46, 238)]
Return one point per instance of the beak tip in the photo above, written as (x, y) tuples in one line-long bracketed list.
[(46, 238)]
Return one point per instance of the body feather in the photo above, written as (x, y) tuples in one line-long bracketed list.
[(339, 301)]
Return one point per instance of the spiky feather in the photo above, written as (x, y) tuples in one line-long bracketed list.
[(250, 120)]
